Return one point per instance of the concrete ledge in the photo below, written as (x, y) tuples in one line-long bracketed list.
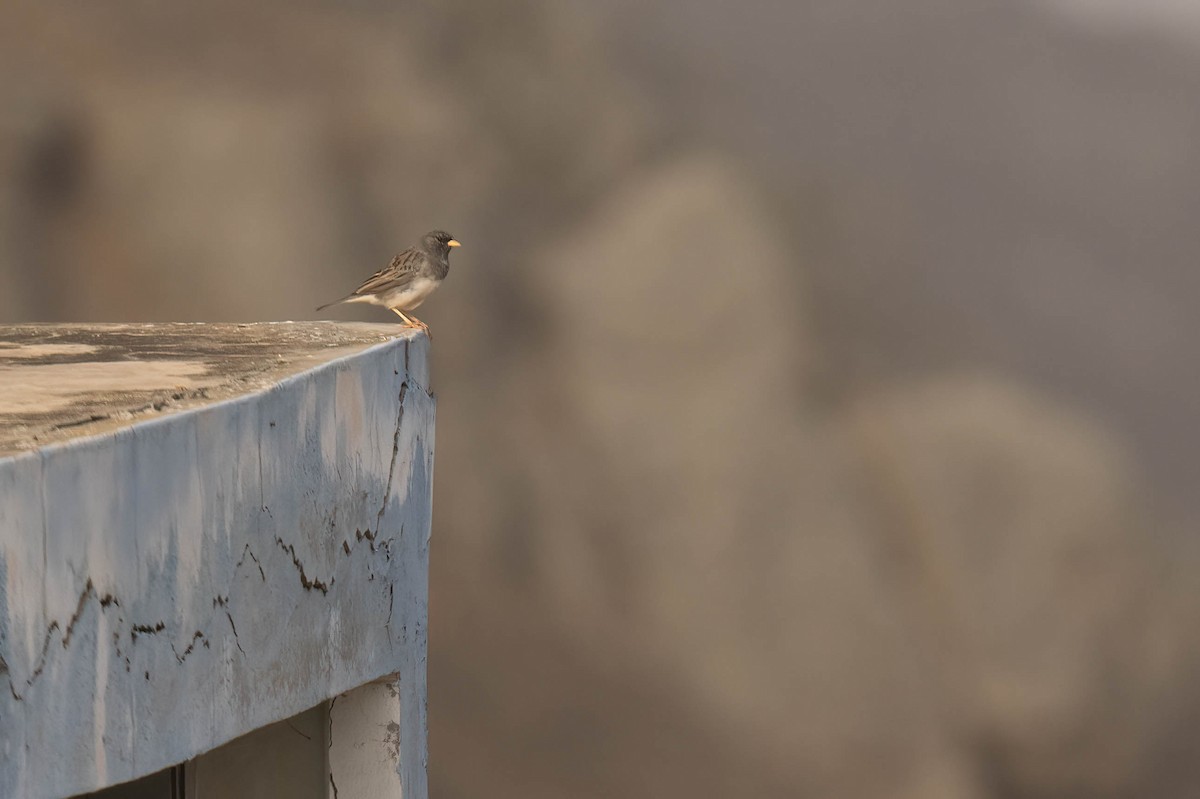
[(220, 527)]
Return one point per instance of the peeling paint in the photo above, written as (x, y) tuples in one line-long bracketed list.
[(391, 740)]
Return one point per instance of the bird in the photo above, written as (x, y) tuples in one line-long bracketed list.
[(408, 280)]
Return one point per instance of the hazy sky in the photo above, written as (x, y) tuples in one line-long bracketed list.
[(1179, 17)]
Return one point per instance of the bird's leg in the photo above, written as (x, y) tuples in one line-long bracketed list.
[(411, 321)]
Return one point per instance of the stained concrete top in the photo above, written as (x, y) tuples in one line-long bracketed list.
[(59, 382)]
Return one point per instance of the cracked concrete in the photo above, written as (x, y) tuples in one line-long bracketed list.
[(192, 566), (387, 494), (366, 747), (309, 583)]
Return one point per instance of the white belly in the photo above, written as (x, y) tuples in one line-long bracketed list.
[(412, 295)]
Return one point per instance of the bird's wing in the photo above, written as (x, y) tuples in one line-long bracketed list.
[(397, 274)]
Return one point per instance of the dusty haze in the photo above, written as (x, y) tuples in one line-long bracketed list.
[(816, 383)]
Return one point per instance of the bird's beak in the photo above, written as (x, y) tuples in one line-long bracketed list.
[(453, 243)]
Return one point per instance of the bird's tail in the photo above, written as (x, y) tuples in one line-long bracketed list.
[(335, 302)]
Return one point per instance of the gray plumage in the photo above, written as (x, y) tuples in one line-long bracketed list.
[(409, 279)]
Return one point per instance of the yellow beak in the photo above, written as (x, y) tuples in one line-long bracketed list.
[(453, 243)]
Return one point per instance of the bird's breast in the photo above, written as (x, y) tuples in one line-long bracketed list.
[(412, 295)]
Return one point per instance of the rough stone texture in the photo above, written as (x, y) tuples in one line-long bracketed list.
[(171, 581)]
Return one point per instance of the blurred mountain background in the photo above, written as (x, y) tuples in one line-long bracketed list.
[(816, 383)]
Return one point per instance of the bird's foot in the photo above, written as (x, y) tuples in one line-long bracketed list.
[(417, 324), (412, 322)]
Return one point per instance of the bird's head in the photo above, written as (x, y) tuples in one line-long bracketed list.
[(438, 242)]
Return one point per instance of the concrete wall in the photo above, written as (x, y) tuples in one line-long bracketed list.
[(364, 744), (168, 585)]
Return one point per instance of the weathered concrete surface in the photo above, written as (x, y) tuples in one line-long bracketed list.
[(59, 382), (219, 549), (364, 742)]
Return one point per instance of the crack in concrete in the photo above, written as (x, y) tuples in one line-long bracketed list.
[(11, 688), (246, 550), (391, 606), (196, 636), (223, 602), (163, 401), (387, 494), (309, 584), (116, 636), (237, 641), (145, 629), (95, 417), (262, 499), (108, 600), (359, 537), (89, 590), (136, 630), (408, 372), (329, 746), (45, 523)]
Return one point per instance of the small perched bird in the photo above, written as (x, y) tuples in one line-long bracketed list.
[(408, 280)]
